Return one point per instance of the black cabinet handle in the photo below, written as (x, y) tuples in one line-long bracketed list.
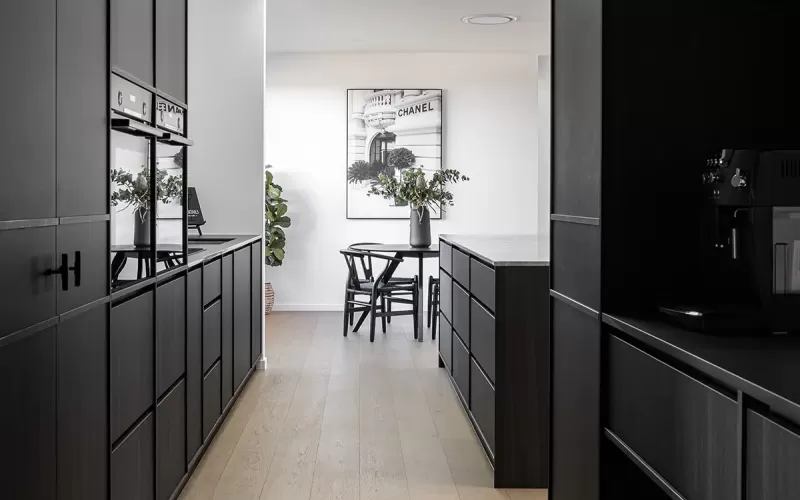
[(77, 269), (62, 270)]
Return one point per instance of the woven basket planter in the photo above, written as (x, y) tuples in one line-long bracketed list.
[(269, 297)]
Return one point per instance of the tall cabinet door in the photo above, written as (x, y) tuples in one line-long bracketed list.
[(241, 315), (86, 248), (28, 417), (227, 329), (194, 363), (171, 47), (28, 138), (132, 38), (83, 406), (256, 292), (82, 116)]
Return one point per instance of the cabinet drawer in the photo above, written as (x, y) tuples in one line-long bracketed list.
[(446, 295), (170, 334), (482, 283), (461, 367), (132, 362), (461, 267), (211, 399), (446, 342), (482, 404), (171, 441), (212, 281), (446, 257), (773, 452), (461, 313), (212, 335), (684, 429), (482, 339), (132, 471)]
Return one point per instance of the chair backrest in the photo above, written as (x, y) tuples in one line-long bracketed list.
[(366, 261), (353, 280)]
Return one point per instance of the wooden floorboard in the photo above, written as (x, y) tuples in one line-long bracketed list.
[(337, 418)]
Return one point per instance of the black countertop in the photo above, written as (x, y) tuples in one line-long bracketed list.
[(213, 246), (765, 368), (508, 250)]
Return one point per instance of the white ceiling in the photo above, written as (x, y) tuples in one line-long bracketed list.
[(404, 26)]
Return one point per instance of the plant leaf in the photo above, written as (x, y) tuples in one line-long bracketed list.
[(279, 254), (281, 210)]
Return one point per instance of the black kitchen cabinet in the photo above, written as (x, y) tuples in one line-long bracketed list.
[(482, 404), (194, 363), (132, 48), (461, 368), (86, 248), (171, 48), (212, 404), (576, 268), (212, 330), (82, 101), (575, 423), (212, 279), (577, 106), (132, 362), (83, 406), (133, 464), (445, 344), (241, 315), (28, 255), (227, 329), (170, 334), (170, 441), (257, 291), (773, 452), (28, 418), (28, 59)]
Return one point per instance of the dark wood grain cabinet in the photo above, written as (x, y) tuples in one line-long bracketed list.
[(446, 295), (170, 441), (28, 420), (212, 331), (773, 452), (83, 406), (482, 404), (256, 293), (82, 108), (684, 429), (132, 362), (212, 281), (133, 463), (171, 47), (194, 362), (227, 329), (28, 59), (241, 315), (170, 334), (461, 368), (445, 344), (212, 405), (576, 269), (132, 29), (86, 248)]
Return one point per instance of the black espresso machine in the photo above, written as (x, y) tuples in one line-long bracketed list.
[(750, 277)]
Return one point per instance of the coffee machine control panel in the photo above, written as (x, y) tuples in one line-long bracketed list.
[(746, 177)]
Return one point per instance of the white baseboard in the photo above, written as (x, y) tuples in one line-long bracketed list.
[(307, 307)]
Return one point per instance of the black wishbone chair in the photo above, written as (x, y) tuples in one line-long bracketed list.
[(366, 267), (364, 295)]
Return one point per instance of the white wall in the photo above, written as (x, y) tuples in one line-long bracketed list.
[(489, 135), (226, 112)]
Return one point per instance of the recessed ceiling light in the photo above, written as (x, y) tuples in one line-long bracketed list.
[(489, 19)]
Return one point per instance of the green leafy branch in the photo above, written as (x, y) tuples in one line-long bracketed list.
[(413, 187), (275, 221)]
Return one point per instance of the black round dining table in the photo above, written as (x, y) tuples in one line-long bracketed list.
[(403, 250)]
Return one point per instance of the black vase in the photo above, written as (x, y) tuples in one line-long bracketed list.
[(420, 236)]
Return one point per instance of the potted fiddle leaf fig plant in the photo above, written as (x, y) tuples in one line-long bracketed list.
[(422, 194), (275, 221)]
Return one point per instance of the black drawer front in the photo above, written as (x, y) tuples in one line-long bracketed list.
[(211, 399), (170, 334), (482, 338), (461, 267), (446, 342), (212, 281), (446, 257), (132, 362), (576, 262), (132, 471), (171, 441), (482, 283), (461, 367), (482, 404), (682, 428), (461, 313), (212, 335), (446, 295), (773, 453)]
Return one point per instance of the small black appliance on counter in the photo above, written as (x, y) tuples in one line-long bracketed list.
[(751, 277)]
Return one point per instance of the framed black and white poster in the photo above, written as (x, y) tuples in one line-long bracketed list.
[(388, 131)]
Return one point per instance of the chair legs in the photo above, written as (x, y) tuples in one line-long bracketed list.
[(434, 310), (415, 308), (383, 310), (430, 299), (389, 310)]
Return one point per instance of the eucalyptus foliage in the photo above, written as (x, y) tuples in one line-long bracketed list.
[(413, 188), (135, 191), (275, 220)]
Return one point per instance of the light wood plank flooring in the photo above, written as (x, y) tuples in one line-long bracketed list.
[(343, 418)]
